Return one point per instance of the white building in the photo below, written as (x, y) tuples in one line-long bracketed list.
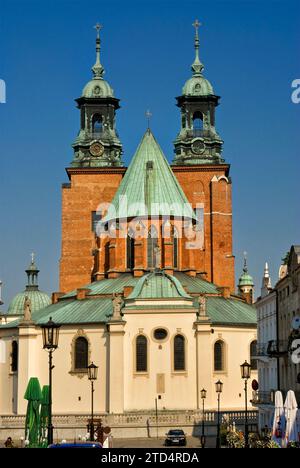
[(266, 334)]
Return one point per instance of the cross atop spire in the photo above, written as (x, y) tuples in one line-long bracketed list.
[(148, 115), (197, 66), (97, 69)]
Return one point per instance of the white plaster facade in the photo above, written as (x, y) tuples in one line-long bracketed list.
[(119, 387)]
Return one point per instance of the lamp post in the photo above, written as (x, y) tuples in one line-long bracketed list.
[(92, 375), (246, 374), (219, 388), (50, 332), (203, 396)]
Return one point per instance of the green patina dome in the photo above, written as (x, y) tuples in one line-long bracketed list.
[(97, 88), (157, 285), (37, 298), (246, 280), (197, 86)]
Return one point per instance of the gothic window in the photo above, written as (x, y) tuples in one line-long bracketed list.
[(130, 252), (179, 353), (97, 124), (219, 364), (141, 354), (175, 248), (14, 356), (81, 353), (151, 246), (197, 123), (96, 217), (253, 353)]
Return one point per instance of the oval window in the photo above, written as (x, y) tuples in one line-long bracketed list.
[(160, 334)]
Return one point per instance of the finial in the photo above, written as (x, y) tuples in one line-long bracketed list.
[(245, 269), (97, 69), (32, 257), (197, 66), (148, 115)]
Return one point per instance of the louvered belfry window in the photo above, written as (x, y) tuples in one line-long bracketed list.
[(81, 353), (179, 353), (141, 354)]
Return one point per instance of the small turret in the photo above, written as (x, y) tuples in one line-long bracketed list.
[(246, 284), (266, 285)]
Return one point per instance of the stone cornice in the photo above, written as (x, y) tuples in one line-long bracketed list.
[(202, 168), (95, 170)]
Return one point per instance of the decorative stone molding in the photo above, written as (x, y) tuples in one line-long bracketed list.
[(80, 373)]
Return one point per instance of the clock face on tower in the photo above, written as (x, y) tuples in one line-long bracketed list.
[(198, 146), (96, 149)]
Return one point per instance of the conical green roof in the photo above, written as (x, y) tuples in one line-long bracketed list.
[(149, 187)]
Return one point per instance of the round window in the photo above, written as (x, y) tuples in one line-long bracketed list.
[(160, 334)]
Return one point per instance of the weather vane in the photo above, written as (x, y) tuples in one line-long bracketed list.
[(148, 115)]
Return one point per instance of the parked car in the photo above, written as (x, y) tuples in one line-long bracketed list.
[(175, 437), (77, 445)]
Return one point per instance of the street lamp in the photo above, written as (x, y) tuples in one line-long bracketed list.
[(246, 374), (219, 388), (92, 375), (203, 396), (50, 333)]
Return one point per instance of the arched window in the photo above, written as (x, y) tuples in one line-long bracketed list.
[(179, 353), (175, 248), (151, 246), (253, 354), (141, 354), (197, 123), (97, 124), (219, 356), (81, 353), (14, 356), (130, 252)]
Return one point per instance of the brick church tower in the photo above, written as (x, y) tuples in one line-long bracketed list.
[(198, 177)]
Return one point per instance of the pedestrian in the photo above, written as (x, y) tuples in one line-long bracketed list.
[(9, 443)]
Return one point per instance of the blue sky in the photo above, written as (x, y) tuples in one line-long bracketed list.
[(251, 55)]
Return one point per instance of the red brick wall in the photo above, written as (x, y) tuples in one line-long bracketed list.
[(91, 187)]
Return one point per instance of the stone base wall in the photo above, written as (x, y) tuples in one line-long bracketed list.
[(131, 425)]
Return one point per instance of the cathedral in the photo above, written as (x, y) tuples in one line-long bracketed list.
[(147, 282)]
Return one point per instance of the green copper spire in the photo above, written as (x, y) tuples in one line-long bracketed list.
[(98, 69), (245, 278), (197, 66)]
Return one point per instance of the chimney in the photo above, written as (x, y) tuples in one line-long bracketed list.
[(127, 290), (56, 296), (225, 291), (82, 293)]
